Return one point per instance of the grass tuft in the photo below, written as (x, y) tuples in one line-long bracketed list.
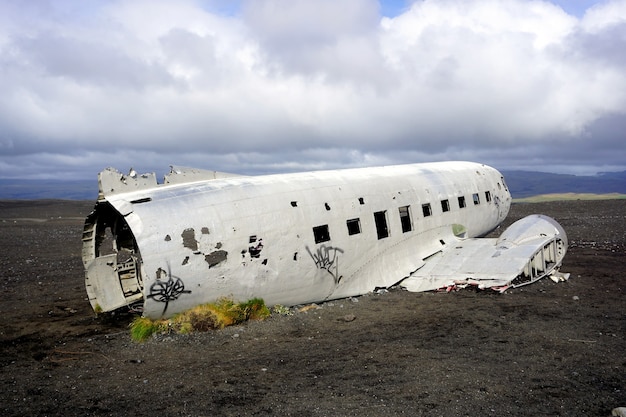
[(224, 312), (282, 310), (255, 309), (142, 328)]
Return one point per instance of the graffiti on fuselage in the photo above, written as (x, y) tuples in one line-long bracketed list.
[(327, 258), (164, 291)]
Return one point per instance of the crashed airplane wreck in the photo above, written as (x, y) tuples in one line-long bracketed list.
[(306, 237)]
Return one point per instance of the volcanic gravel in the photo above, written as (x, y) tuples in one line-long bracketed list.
[(547, 349)]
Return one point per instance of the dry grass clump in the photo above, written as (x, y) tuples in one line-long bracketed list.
[(205, 317)]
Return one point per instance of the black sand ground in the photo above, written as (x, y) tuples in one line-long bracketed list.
[(546, 349)]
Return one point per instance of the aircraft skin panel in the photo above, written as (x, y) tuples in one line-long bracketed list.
[(99, 286), (287, 238), (534, 243)]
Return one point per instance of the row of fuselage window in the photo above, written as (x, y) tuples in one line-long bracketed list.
[(322, 233)]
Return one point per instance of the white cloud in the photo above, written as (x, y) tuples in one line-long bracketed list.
[(284, 85), (604, 15)]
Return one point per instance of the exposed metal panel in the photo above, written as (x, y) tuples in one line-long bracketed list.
[(104, 286), (180, 175), (529, 249), (111, 181)]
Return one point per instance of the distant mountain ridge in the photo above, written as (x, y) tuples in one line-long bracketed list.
[(16, 189), (521, 184), (529, 183)]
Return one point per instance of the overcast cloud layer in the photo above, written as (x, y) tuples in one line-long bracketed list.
[(287, 85)]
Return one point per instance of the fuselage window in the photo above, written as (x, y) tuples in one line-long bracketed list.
[(427, 210), (476, 198), (321, 233), (462, 202), (445, 205), (380, 218), (354, 226), (405, 219), (488, 196), (504, 184)]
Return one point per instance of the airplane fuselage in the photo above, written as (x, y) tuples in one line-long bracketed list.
[(287, 238)]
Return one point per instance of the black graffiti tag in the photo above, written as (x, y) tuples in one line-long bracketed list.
[(327, 257), (166, 291)]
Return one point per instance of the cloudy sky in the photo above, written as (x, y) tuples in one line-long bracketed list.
[(258, 86)]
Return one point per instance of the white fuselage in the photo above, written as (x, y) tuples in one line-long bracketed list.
[(287, 238)]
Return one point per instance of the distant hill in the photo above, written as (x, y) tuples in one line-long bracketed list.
[(15, 189), (521, 184), (527, 184)]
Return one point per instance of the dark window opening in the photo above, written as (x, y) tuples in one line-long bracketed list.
[(252, 239), (476, 198), (462, 202), (504, 184), (488, 196), (354, 226), (405, 219), (445, 205), (294, 204), (427, 210), (380, 218), (327, 206), (361, 201), (321, 233)]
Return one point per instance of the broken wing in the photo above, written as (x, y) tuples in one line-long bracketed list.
[(530, 249)]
